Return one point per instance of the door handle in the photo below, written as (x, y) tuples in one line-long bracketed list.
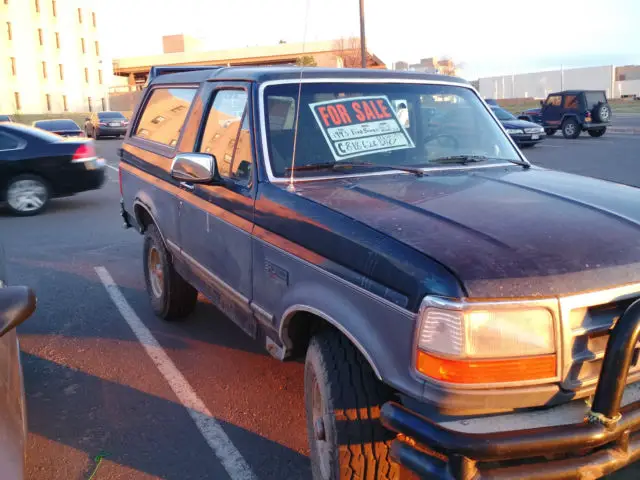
[(187, 185)]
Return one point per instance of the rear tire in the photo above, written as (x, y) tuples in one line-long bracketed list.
[(343, 398), (172, 298), (570, 128), (27, 195), (550, 131), (602, 113), (597, 133)]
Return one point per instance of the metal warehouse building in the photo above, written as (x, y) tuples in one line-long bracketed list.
[(540, 84)]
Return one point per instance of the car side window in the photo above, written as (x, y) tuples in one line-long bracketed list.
[(571, 102), (223, 135), (8, 142), (164, 115), (554, 101)]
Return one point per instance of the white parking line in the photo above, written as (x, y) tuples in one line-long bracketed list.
[(231, 459), (112, 168)]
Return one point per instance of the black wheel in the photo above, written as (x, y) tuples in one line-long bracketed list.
[(172, 298), (597, 132), (343, 398), (550, 131), (602, 113), (570, 128), (27, 195), (526, 145)]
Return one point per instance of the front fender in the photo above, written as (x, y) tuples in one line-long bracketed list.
[(380, 330)]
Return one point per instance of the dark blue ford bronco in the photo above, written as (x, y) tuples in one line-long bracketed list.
[(462, 313)]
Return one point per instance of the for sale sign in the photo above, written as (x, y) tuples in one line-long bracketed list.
[(360, 126)]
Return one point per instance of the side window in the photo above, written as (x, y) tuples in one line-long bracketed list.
[(554, 100), (164, 115), (571, 101), (222, 134), (8, 142)]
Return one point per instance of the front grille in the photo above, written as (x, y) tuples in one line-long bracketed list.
[(590, 327)]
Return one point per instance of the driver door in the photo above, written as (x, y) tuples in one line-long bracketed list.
[(216, 220)]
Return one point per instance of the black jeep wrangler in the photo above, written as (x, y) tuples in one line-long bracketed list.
[(461, 312), (572, 111)]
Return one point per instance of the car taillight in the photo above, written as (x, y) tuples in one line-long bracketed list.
[(84, 152)]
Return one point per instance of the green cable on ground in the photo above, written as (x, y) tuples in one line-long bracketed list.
[(98, 459)]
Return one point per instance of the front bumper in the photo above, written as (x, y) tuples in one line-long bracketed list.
[(607, 439), (527, 138)]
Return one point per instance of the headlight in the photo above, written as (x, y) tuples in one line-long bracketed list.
[(534, 130), (511, 131), (486, 345)]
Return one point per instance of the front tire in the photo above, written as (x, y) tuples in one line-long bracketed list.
[(343, 398), (570, 129), (27, 195), (597, 133), (172, 298), (550, 131)]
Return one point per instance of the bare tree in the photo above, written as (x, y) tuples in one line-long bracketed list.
[(348, 49), (306, 61)]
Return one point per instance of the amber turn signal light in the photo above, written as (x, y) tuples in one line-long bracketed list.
[(486, 371)]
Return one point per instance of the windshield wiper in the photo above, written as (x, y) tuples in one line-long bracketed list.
[(465, 159), (335, 165)]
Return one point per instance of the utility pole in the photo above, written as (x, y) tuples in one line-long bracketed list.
[(363, 47)]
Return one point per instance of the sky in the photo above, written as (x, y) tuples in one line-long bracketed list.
[(490, 37)]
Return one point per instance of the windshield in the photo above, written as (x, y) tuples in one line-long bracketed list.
[(111, 116), (57, 125), (386, 124), (502, 114)]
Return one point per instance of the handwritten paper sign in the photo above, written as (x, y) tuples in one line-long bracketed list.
[(360, 126)]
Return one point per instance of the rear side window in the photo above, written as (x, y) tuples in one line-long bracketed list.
[(164, 115), (593, 98), (8, 142), (554, 100), (223, 133), (571, 102)]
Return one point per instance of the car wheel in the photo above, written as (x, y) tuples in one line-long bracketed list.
[(598, 132), (172, 298), (27, 195), (570, 128), (602, 113), (550, 131), (343, 399)]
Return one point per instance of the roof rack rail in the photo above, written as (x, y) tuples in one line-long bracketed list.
[(157, 71)]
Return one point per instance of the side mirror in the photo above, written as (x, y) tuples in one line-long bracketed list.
[(16, 305), (194, 168)]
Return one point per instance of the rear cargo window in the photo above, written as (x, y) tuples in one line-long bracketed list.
[(164, 115), (593, 98)]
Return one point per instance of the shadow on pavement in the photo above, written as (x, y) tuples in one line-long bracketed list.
[(142, 431)]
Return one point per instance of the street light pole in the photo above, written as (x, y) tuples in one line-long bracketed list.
[(363, 47)]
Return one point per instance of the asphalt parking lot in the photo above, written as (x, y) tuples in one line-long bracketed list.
[(178, 401)]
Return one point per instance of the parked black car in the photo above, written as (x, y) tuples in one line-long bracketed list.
[(63, 127), (524, 133), (106, 124), (573, 112), (429, 275), (36, 165), (6, 118)]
